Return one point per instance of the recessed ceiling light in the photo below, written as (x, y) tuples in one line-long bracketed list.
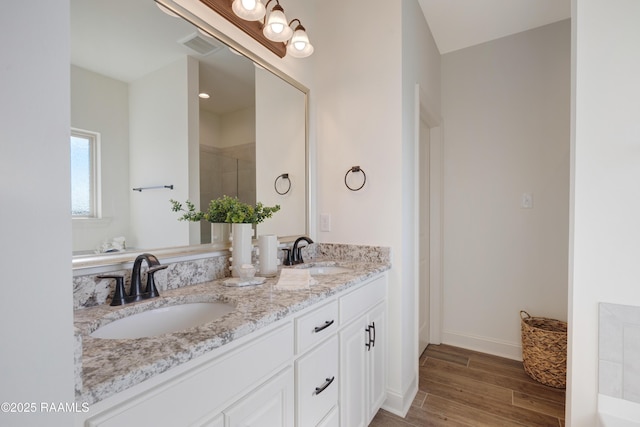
[(204, 95)]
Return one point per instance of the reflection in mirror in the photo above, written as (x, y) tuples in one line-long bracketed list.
[(136, 73)]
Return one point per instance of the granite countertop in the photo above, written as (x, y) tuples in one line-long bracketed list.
[(110, 366)]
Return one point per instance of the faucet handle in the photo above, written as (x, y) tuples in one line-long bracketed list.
[(151, 289), (286, 260), (118, 296)]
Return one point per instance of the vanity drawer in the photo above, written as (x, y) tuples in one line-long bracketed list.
[(317, 383), (362, 299), (315, 326)]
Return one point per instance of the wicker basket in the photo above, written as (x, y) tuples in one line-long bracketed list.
[(544, 349)]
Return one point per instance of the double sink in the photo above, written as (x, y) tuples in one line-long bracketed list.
[(174, 318)]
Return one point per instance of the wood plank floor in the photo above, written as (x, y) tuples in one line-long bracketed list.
[(461, 387)]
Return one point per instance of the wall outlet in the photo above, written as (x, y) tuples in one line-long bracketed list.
[(526, 201), (325, 222)]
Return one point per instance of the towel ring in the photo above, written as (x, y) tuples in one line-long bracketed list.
[(355, 169), (275, 184)]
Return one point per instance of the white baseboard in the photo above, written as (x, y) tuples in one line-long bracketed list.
[(500, 348), (399, 403)]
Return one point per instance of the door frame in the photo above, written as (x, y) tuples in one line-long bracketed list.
[(424, 111)]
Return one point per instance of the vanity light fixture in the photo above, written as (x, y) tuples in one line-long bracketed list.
[(204, 95), (275, 26), (249, 10)]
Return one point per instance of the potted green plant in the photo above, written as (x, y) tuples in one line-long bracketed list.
[(229, 210), (226, 209)]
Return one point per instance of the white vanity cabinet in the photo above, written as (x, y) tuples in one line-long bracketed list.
[(362, 354), (354, 348), (322, 367), (197, 393)]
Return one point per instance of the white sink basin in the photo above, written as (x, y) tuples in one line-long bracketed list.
[(163, 320), (330, 269)]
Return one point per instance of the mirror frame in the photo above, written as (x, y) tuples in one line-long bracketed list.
[(80, 262)]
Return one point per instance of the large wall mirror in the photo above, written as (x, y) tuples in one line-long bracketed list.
[(136, 73)]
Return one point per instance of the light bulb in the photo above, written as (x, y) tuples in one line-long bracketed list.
[(249, 4), (249, 10)]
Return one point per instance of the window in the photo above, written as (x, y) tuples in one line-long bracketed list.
[(84, 174)]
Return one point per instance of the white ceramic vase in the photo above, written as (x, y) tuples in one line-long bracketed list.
[(241, 235), (268, 255)]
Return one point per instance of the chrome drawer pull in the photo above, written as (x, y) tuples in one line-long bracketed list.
[(325, 385), (323, 327)]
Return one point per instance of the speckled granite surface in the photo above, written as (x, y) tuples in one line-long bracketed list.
[(111, 366), (90, 291), (347, 252)]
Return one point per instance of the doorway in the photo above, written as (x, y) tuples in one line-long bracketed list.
[(428, 223), (423, 237)]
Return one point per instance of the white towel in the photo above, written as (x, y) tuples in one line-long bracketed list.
[(293, 279)]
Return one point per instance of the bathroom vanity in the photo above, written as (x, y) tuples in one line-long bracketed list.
[(312, 357)]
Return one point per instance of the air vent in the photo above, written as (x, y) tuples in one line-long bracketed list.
[(200, 44)]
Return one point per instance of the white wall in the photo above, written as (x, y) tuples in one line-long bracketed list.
[(161, 140), (36, 323), (101, 104), (228, 130), (238, 128), (359, 113), (365, 110), (280, 148), (606, 206), (506, 105), (210, 128)]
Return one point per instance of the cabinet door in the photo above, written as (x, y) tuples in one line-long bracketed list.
[(376, 356), (270, 405), (353, 374)]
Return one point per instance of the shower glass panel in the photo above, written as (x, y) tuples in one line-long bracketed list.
[(227, 171)]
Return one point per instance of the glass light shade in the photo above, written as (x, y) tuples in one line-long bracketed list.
[(299, 46), (249, 10), (276, 28)]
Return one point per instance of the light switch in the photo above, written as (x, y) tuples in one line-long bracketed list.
[(325, 222), (526, 201)]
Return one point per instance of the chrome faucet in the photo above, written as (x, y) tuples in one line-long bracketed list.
[(135, 292), (296, 255)]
